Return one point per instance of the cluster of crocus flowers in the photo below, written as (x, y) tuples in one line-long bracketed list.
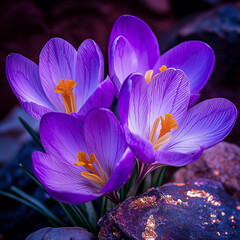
[(88, 152)]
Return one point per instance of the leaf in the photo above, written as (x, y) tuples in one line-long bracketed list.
[(45, 211), (34, 134), (32, 176)]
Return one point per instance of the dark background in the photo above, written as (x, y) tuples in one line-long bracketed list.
[(25, 26)]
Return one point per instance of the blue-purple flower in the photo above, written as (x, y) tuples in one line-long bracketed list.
[(133, 48), (161, 129), (66, 80), (83, 161)]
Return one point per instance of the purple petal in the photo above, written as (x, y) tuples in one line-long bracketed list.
[(57, 61), (139, 45), (35, 110), (104, 138), (121, 173), (102, 97), (205, 125), (142, 148), (122, 62), (62, 180), (169, 93), (195, 58), (89, 71), (175, 158), (140, 37), (62, 136), (133, 104), (23, 77)]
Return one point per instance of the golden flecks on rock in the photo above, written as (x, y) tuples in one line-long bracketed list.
[(232, 219), (203, 194), (212, 215), (143, 202), (179, 184), (150, 233), (116, 234), (169, 200), (198, 183)]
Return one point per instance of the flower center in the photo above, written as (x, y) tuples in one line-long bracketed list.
[(167, 125), (88, 164), (68, 97), (149, 73)]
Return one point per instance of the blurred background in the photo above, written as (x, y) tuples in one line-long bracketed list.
[(25, 26)]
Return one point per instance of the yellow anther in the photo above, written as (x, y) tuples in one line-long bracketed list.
[(88, 164), (163, 68), (167, 124), (68, 97), (148, 75)]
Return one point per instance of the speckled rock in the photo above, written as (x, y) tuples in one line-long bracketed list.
[(220, 163), (200, 209), (64, 233)]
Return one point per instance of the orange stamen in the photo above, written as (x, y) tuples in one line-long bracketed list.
[(149, 73), (167, 124), (68, 97), (163, 68), (88, 164)]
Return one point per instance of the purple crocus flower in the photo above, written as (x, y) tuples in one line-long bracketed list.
[(83, 161), (133, 48), (159, 127), (66, 80)]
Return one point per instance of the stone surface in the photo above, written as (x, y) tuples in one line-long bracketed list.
[(200, 209), (220, 28), (13, 135), (64, 233), (220, 163)]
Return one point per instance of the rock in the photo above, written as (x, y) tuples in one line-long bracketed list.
[(220, 163), (200, 209), (13, 135), (220, 28), (64, 233), (186, 7)]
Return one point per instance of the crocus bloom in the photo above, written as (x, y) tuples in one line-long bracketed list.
[(159, 127), (133, 48), (66, 80), (83, 161)]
